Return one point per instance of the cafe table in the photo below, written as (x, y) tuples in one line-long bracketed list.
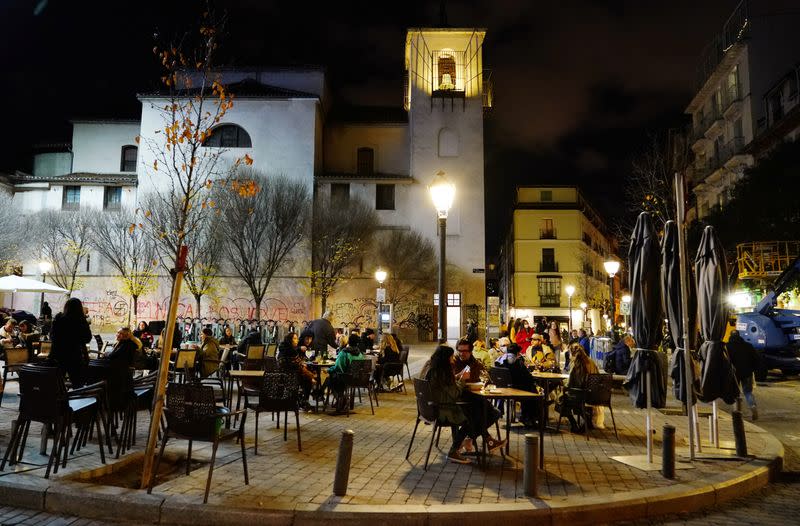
[(317, 367), (510, 395), (548, 380)]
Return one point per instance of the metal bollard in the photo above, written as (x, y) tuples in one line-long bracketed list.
[(668, 451), (738, 434), (531, 466), (343, 464)]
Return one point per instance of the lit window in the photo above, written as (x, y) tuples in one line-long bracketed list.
[(72, 198), (550, 292), (384, 197), (228, 136), (128, 160)]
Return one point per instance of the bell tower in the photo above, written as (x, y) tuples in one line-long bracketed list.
[(446, 94)]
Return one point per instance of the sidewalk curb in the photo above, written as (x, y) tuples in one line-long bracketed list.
[(114, 503)]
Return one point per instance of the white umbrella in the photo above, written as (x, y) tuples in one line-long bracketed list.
[(20, 284), (14, 284)]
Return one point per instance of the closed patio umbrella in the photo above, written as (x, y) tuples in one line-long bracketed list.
[(717, 378), (644, 379)]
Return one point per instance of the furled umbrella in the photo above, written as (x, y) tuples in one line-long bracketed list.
[(671, 289), (717, 378), (644, 379)]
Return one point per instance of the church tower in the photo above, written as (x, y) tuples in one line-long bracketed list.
[(446, 94)]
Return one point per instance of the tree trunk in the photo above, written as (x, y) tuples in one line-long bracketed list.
[(197, 298), (324, 301), (135, 309), (257, 301)]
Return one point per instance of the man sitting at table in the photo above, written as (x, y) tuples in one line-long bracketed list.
[(253, 338), (124, 350), (464, 359), (542, 356), (27, 337), (521, 379), (367, 340), (8, 334)]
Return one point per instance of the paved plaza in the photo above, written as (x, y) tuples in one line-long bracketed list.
[(578, 470)]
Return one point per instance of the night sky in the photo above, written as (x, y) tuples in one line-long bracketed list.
[(579, 84)]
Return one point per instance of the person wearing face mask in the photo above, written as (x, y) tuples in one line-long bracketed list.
[(524, 336)]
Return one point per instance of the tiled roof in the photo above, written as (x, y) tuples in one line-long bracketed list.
[(372, 177), (369, 114), (111, 179), (247, 88)]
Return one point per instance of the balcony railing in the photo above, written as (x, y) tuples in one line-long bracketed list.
[(731, 148), (548, 266), (732, 94), (734, 30), (549, 301), (549, 233)]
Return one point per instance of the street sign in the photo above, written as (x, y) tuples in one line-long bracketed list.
[(381, 295), (478, 271)]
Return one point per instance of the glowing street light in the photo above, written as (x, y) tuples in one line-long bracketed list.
[(380, 276), (612, 267), (442, 194)]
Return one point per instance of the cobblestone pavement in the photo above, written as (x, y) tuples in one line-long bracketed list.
[(282, 476)]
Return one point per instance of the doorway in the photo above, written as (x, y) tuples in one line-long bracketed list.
[(454, 329)]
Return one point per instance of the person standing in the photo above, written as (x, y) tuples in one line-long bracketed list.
[(745, 361), (70, 334), (523, 337), (324, 335), (47, 312)]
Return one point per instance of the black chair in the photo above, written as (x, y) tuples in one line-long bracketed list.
[(44, 398), (359, 378), (427, 412), (272, 350), (501, 377), (279, 394), (192, 414), (121, 401), (393, 370), (404, 357), (15, 359), (598, 393)]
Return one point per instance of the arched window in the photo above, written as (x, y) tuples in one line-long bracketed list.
[(365, 165), (228, 136), (447, 72), (128, 159)]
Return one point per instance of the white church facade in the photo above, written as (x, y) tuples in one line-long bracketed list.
[(283, 120)]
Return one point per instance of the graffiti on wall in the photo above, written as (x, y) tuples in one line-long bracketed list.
[(362, 312)]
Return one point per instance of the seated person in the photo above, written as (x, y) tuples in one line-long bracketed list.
[(618, 361), (124, 350), (482, 354), (8, 333), (253, 338), (209, 353), (307, 345), (582, 367), (521, 379), (292, 359), (27, 337), (337, 379), (390, 353), (465, 358), (470, 420), (142, 332), (367, 340), (227, 337), (542, 356)]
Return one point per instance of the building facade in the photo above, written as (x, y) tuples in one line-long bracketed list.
[(737, 101), (556, 239), (283, 119)]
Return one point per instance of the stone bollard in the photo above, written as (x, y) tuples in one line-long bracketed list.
[(738, 434), (343, 464), (531, 466), (668, 451)]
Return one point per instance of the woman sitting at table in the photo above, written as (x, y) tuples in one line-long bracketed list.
[(467, 420), (227, 337), (337, 379), (521, 379), (390, 353), (582, 367), (142, 332), (209, 353), (292, 359)]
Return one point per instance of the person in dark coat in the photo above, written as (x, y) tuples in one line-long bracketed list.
[(367, 340), (745, 361), (472, 332), (47, 312), (69, 335), (124, 350), (618, 360), (324, 335), (253, 338), (521, 379)]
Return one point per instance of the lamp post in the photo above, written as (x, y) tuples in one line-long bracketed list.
[(380, 276), (612, 267), (45, 267), (626, 300), (442, 193), (570, 290)]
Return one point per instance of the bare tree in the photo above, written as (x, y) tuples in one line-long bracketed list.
[(263, 229), (63, 239), (340, 236), (10, 230), (589, 290), (410, 263), (120, 239)]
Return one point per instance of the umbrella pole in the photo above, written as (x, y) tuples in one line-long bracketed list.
[(648, 416), (715, 423), (687, 356)]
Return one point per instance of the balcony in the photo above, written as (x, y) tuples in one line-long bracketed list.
[(548, 266), (698, 139), (713, 125), (731, 154), (549, 233), (549, 301)]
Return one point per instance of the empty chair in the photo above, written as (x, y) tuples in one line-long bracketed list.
[(272, 350), (279, 394), (15, 359), (192, 415), (358, 377)]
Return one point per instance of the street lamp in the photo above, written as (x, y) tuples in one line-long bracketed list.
[(380, 276), (612, 267), (570, 290), (45, 267), (626, 300), (442, 193)]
